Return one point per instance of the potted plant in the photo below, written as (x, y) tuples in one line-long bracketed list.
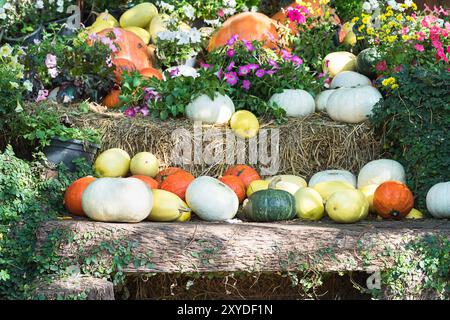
[(57, 137)]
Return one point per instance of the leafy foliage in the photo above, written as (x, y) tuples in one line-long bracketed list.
[(347, 9), (414, 120)]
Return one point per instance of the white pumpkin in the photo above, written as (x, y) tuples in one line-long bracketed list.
[(217, 111), (296, 103), (117, 200), (352, 105), (438, 200), (348, 79), (211, 199), (322, 99), (286, 182), (379, 171), (339, 61), (183, 71), (333, 175)]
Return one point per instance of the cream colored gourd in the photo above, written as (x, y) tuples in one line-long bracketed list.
[(337, 62), (112, 163), (296, 103), (309, 204), (352, 105), (158, 24), (369, 191), (140, 32), (333, 175), (289, 183), (438, 200), (117, 200), (379, 171), (139, 16), (327, 188), (347, 206), (322, 99), (348, 79), (167, 207), (211, 199), (144, 163), (217, 111)]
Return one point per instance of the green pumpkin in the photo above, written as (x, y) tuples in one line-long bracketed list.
[(270, 205), (366, 62)]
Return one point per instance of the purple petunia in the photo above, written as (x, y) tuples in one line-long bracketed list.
[(271, 72), (253, 66), (248, 45), (273, 63), (286, 54), (297, 60), (244, 70), (232, 39), (204, 65), (130, 112), (232, 78), (231, 66), (230, 53), (246, 84), (174, 72), (260, 73)]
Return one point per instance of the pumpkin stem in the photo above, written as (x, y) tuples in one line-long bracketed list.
[(274, 182)]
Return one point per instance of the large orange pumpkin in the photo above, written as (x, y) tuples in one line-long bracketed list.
[(163, 174), (130, 47), (236, 185), (152, 183), (393, 200), (122, 65), (73, 195), (246, 173), (248, 26), (112, 100), (177, 183), (151, 72)]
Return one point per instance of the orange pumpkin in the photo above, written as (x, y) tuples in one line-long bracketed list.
[(393, 200), (248, 26), (177, 183), (151, 72), (163, 174), (152, 183), (73, 195), (236, 185), (122, 65), (130, 47), (112, 100), (246, 173), (313, 5)]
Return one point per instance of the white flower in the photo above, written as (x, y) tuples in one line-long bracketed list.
[(28, 85), (230, 3), (189, 11), (195, 35), (254, 9), (2, 15), (39, 4), (7, 6), (213, 23), (367, 7), (182, 37), (166, 6), (6, 50), (229, 11), (409, 3)]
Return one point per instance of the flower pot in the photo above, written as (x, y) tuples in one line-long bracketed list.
[(60, 151)]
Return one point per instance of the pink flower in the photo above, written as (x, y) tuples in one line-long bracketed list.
[(230, 53), (53, 72), (204, 65), (130, 112), (381, 66), (145, 111), (231, 78), (398, 69), (248, 45), (50, 61), (405, 30), (221, 13), (220, 74), (243, 71), (42, 95), (419, 47), (271, 72), (260, 73), (230, 66), (246, 84), (174, 72), (286, 54), (253, 66), (421, 36), (296, 60), (273, 63), (109, 62), (297, 14), (232, 39)]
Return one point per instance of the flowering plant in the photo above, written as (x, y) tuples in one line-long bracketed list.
[(255, 73), (12, 83), (405, 36), (69, 61), (18, 17)]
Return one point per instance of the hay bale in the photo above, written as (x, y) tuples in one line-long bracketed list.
[(300, 146)]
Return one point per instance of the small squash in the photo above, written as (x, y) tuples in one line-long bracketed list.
[(211, 199), (393, 200), (348, 79), (112, 100), (167, 207), (333, 175), (347, 206), (117, 200), (367, 60), (216, 111), (309, 204), (112, 163), (139, 16), (379, 171), (296, 102), (236, 185), (177, 183), (289, 183), (270, 205), (322, 99), (244, 172), (151, 72), (438, 200), (369, 192), (144, 163), (327, 188), (122, 65), (73, 195), (336, 62), (257, 185)]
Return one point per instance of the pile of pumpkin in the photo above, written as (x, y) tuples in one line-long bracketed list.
[(173, 194)]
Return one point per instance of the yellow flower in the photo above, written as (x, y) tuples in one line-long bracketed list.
[(355, 19), (366, 20), (382, 17), (361, 28), (409, 18), (389, 13), (399, 17), (388, 81), (414, 6), (391, 39), (394, 86), (405, 37), (388, 31), (370, 31)]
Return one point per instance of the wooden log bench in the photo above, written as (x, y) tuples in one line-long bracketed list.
[(248, 247)]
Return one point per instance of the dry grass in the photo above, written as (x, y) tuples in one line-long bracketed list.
[(306, 145)]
